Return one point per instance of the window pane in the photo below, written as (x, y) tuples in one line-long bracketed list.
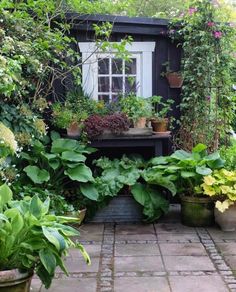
[(130, 67), (114, 97), (117, 84), (104, 97), (103, 84), (130, 84), (103, 66), (117, 66)]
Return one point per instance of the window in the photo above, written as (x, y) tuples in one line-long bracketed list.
[(105, 76)]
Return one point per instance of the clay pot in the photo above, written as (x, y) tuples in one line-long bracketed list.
[(73, 130), (15, 281), (159, 125), (175, 79), (140, 123), (227, 219)]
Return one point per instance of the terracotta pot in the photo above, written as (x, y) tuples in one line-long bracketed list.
[(159, 125), (175, 79), (140, 123), (79, 214), (15, 281), (197, 211), (73, 130), (227, 219)]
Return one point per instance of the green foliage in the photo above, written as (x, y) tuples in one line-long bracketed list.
[(229, 155), (32, 239), (160, 108), (135, 107), (208, 103), (8, 144)]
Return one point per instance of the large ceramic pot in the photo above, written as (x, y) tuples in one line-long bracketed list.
[(159, 125), (15, 281), (197, 211), (227, 219)]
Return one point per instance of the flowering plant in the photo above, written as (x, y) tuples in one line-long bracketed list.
[(222, 184)]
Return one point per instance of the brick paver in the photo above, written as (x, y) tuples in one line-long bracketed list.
[(162, 257)]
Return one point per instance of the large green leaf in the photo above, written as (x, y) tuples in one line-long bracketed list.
[(5, 195), (17, 221), (36, 207), (80, 173), (73, 156), (48, 260), (139, 191), (61, 145), (36, 174), (181, 155), (187, 174), (89, 191), (53, 236), (159, 160), (203, 170), (199, 148)]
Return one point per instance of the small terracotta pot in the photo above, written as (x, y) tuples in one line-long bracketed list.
[(140, 123), (175, 79), (159, 125), (73, 130)]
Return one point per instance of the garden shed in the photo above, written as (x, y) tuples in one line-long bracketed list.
[(104, 74)]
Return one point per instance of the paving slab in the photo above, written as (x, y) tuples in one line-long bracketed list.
[(173, 228), (197, 283), (72, 285), (138, 264), (78, 265), (177, 237), (228, 248), (231, 261), (93, 250), (219, 235), (123, 229), (136, 249), (142, 284), (188, 263), (135, 237), (183, 249)]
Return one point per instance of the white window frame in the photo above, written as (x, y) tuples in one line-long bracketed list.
[(90, 54)]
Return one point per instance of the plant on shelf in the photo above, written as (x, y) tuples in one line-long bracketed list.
[(138, 109), (159, 119), (221, 184), (32, 240), (116, 124)]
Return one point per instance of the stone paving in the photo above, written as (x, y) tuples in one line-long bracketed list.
[(161, 257)]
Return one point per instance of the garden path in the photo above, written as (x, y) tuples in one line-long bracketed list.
[(162, 257)]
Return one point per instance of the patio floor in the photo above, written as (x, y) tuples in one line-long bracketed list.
[(161, 257)]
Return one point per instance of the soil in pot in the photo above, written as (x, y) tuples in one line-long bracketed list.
[(15, 281), (160, 125), (227, 219), (197, 211)]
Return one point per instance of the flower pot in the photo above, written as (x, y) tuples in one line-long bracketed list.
[(159, 125), (73, 130), (175, 79), (227, 219), (15, 281), (140, 123), (79, 214), (197, 211)]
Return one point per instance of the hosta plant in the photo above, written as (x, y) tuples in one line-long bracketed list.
[(221, 184), (33, 240)]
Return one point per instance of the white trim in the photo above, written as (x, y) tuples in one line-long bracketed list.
[(141, 50)]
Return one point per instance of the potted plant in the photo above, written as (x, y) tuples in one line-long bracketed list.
[(221, 184), (138, 109), (66, 116), (32, 240), (159, 120), (174, 78)]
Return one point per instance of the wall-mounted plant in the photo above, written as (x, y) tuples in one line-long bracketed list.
[(174, 78)]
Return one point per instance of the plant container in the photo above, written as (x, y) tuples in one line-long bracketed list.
[(78, 214), (73, 131), (175, 79), (227, 219), (197, 211), (159, 125), (15, 281), (140, 123)]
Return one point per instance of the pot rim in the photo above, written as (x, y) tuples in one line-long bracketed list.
[(190, 199), (14, 276)]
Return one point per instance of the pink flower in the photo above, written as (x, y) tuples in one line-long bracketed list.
[(49, 102), (208, 98), (210, 23), (192, 10), (232, 24), (217, 34)]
